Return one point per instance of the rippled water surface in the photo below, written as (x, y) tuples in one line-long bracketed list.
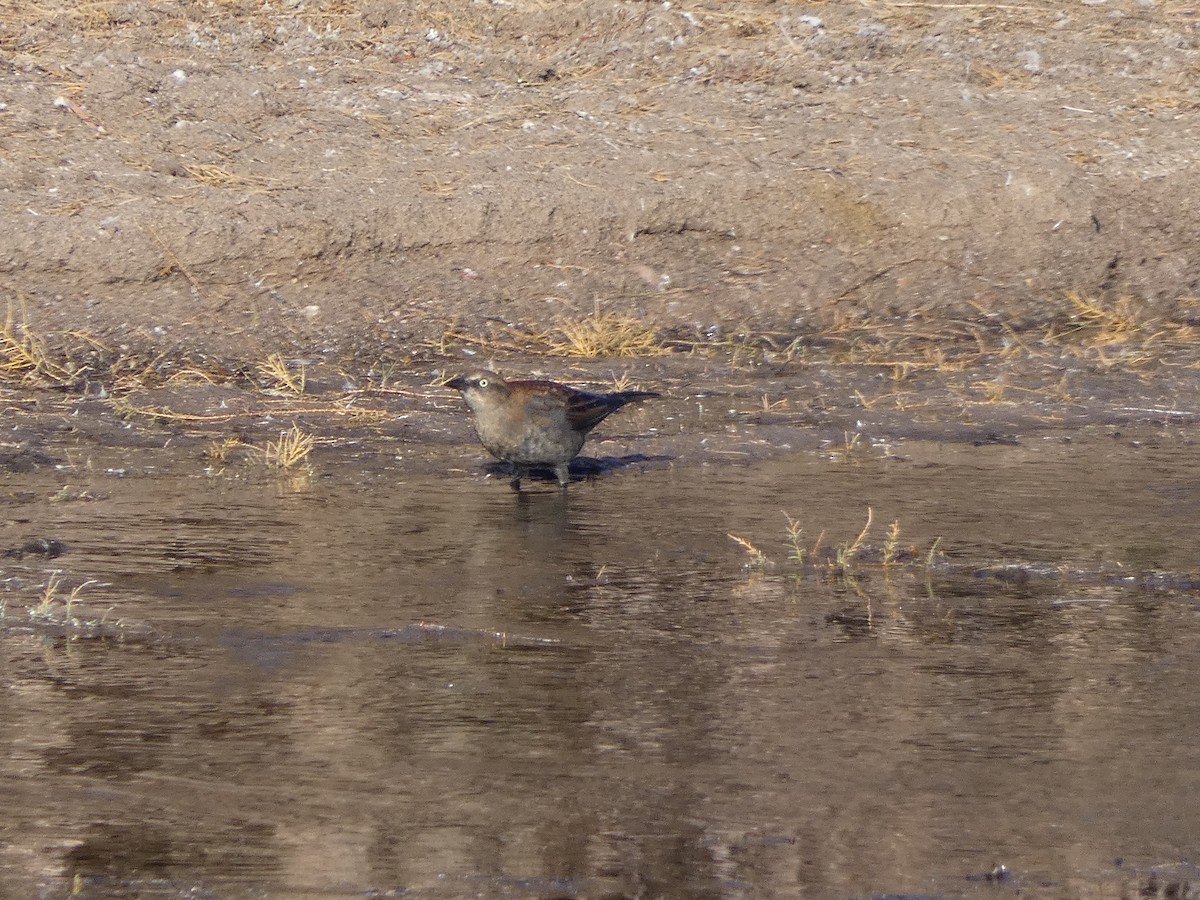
[(368, 683)]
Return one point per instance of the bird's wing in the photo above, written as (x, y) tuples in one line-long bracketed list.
[(545, 402), (585, 411)]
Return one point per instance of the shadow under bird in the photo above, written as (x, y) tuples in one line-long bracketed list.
[(536, 423)]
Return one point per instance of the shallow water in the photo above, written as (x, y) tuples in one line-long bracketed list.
[(375, 683)]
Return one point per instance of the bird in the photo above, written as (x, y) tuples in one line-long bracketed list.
[(536, 423)]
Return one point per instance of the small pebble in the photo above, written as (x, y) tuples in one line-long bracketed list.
[(1031, 60)]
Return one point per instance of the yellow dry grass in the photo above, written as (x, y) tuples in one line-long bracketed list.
[(600, 334), (1118, 332), (846, 555), (51, 599), (222, 450), (1115, 323), (218, 177), (290, 451), (757, 559), (280, 377), (605, 334), (24, 357)]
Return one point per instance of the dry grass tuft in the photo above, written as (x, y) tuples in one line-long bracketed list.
[(217, 177), (280, 378), (24, 358), (290, 451), (1115, 324), (606, 334), (1118, 333), (598, 335), (852, 445), (847, 555), (990, 76), (911, 348), (222, 450), (57, 613)]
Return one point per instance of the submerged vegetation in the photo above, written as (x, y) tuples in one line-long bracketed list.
[(58, 613)]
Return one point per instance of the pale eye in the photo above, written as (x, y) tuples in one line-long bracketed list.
[(483, 382)]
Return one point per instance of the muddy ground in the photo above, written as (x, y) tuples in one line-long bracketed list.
[(352, 180)]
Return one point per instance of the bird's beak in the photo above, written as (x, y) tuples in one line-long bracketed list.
[(459, 383)]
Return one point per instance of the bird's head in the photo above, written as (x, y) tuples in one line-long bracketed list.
[(478, 385)]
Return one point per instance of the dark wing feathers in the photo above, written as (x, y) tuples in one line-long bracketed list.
[(584, 410)]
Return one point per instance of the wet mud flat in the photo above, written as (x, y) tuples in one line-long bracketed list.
[(379, 672)]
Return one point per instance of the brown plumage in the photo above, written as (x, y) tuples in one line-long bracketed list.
[(536, 423)]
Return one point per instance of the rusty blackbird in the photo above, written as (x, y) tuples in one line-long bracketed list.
[(536, 423)]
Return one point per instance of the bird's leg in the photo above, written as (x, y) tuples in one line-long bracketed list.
[(563, 474), (518, 472)]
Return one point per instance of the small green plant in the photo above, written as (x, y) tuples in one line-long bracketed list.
[(891, 546), (846, 555), (848, 559), (795, 534), (932, 555), (383, 374), (50, 599)]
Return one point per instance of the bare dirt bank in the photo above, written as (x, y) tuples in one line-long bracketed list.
[(335, 176)]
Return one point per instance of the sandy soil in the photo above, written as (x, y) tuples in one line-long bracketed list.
[(346, 178)]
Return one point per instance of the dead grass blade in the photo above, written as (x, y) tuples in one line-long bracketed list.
[(290, 451), (606, 334), (24, 358), (279, 376)]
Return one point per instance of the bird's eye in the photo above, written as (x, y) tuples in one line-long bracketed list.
[(483, 382)]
